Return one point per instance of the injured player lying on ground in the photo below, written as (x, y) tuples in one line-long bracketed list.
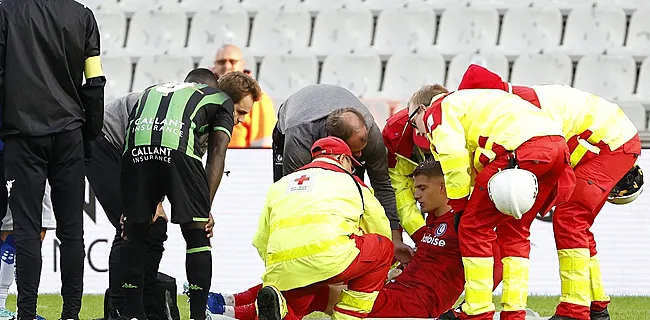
[(428, 286)]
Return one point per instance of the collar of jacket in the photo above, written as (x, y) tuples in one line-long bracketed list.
[(332, 165)]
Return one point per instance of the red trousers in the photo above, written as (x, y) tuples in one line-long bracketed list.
[(547, 158), (572, 220), (367, 273)]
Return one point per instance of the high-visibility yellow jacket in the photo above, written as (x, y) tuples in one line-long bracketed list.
[(304, 230), (586, 119), (257, 128), (397, 135), (467, 128)]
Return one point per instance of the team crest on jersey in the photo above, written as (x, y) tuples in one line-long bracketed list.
[(441, 229), (301, 183)]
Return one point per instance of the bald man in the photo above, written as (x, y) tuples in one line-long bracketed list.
[(320, 110), (257, 128)]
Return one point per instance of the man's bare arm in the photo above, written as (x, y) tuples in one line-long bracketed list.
[(217, 146)]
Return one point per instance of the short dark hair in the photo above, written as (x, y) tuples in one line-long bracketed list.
[(426, 94), (430, 168), (339, 126), (238, 85), (203, 76)]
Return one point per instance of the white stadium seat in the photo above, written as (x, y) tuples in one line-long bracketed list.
[(207, 61), (320, 5), (542, 69), (406, 73), (156, 32), (97, 5), (192, 6), (530, 30), (638, 34), (467, 29), (158, 69), (497, 63), (594, 30), (627, 5), (564, 5), (258, 5), (145, 5), (112, 30), (502, 5), (280, 31), (280, 76), (643, 89), (636, 112), (359, 73), (393, 35), (442, 5), (379, 5), (342, 30), (207, 36), (609, 76), (118, 70)]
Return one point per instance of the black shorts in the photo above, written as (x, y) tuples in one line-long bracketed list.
[(149, 173)]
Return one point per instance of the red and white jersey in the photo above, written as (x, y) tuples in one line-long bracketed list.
[(436, 270)]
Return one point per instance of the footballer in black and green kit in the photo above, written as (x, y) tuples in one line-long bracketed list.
[(162, 158)]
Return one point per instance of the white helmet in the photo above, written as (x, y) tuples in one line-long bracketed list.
[(513, 191)]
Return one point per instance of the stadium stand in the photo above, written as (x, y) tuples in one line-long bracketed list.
[(282, 75), (280, 31), (342, 30), (206, 37), (531, 69), (383, 49)]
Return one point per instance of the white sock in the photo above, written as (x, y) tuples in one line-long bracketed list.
[(229, 299), (229, 311), (7, 266)]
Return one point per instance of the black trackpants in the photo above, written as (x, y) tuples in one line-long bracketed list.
[(103, 173), (28, 162)]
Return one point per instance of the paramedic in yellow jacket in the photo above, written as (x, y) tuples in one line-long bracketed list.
[(322, 225), (480, 132), (405, 151), (604, 146)]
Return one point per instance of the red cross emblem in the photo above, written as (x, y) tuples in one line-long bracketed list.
[(302, 179)]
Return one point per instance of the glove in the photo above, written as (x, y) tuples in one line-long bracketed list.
[(452, 314), (88, 152)]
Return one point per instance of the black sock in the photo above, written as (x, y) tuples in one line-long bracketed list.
[(198, 266), (132, 266)]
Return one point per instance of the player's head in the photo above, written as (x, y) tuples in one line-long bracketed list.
[(243, 90), (419, 102), (203, 76), (430, 189), (349, 125), (229, 58), (336, 149)]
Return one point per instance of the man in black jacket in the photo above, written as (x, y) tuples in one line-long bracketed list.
[(48, 116)]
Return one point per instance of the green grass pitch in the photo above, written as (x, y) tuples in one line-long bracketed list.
[(622, 307)]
